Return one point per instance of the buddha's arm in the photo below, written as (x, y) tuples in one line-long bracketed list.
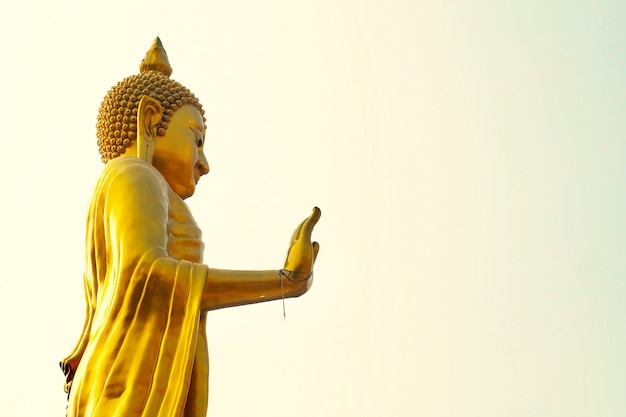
[(227, 288)]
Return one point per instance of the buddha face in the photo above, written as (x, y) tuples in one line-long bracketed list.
[(179, 155)]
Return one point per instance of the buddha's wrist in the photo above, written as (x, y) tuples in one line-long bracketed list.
[(295, 276)]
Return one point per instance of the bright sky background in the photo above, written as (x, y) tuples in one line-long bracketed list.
[(468, 157)]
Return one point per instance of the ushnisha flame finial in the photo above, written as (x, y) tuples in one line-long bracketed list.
[(156, 59)]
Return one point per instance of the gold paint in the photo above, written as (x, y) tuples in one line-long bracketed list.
[(143, 348)]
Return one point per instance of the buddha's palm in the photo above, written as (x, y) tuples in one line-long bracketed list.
[(302, 252)]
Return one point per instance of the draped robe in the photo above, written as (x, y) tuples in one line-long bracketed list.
[(143, 350)]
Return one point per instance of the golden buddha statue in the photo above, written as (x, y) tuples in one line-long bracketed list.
[(143, 348)]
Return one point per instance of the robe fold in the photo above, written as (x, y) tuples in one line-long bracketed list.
[(143, 350)]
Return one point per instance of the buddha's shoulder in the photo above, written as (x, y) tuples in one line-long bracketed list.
[(131, 170)]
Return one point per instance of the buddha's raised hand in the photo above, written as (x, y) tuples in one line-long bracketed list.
[(301, 255)]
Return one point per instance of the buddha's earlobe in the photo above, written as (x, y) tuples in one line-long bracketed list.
[(149, 115)]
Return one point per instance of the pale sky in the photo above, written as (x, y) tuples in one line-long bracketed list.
[(468, 157)]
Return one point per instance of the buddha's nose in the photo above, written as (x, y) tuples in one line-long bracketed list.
[(203, 164)]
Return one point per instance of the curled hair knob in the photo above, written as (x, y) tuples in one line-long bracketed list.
[(156, 59)]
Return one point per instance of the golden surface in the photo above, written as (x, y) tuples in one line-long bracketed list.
[(143, 348)]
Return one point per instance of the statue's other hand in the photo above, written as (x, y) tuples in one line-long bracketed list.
[(302, 254)]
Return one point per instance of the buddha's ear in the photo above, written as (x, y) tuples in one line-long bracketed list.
[(149, 115)]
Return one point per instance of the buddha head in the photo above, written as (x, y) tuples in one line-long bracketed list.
[(156, 119), (116, 128)]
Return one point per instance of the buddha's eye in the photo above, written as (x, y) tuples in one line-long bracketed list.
[(199, 140)]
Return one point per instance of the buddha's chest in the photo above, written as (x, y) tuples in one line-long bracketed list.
[(184, 235)]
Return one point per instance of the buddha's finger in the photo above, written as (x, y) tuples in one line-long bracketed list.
[(296, 233), (316, 249), (309, 224)]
